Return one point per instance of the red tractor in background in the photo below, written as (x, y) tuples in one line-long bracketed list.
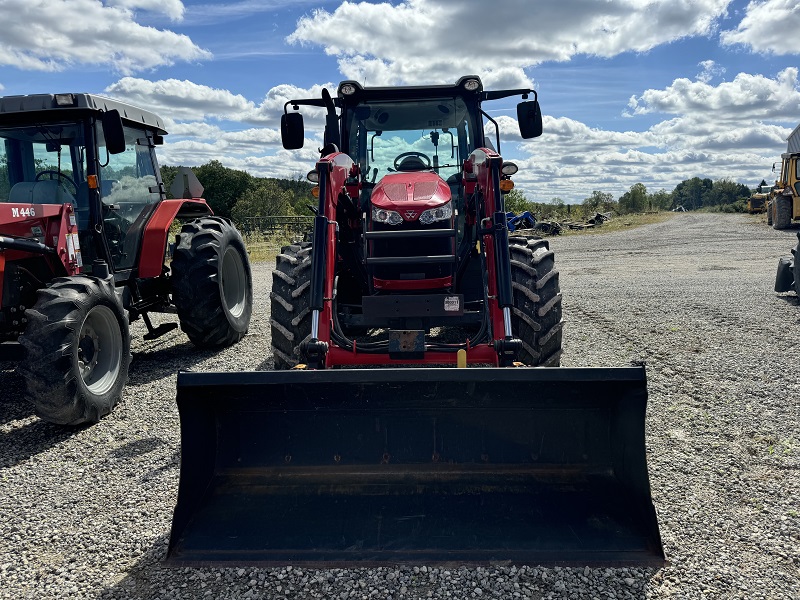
[(84, 221)]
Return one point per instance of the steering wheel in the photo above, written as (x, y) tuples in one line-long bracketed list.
[(59, 175), (421, 156)]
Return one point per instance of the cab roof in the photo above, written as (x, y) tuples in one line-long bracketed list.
[(53, 105)]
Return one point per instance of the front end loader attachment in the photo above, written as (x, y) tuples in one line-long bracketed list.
[(432, 465)]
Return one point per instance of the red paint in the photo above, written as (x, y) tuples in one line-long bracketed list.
[(154, 240), (412, 284), (482, 354)]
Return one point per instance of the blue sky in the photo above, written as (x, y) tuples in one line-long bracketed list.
[(651, 91)]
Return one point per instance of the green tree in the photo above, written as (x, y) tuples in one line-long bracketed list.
[(726, 191), (263, 199), (634, 200), (222, 186), (692, 193), (599, 202), (660, 200), (516, 202)]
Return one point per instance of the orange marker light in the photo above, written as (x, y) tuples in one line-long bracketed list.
[(91, 180), (506, 185)]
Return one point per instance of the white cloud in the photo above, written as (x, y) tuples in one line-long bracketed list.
[(746, 97), (769, 26), (174, 9), (415, 41), (183, 100), (51, 35), (221, 12), (710, 70)]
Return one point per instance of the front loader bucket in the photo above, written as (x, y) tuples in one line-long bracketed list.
[(361, 467)]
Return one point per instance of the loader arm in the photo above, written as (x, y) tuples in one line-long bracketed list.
[(485, 164)]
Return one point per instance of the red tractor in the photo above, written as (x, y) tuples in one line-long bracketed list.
[(84, 221), (411, 238), (411, 264)]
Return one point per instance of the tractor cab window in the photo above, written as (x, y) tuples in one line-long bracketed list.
[(129, 192), (42, 163), (387, 137)]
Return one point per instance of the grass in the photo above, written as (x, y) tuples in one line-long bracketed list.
[(621, 222), (264, 247)]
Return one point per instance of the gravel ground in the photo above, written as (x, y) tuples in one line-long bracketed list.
[(86, 513)]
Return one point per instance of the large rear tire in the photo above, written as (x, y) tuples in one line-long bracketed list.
[(536, 314), (783, 212), (78, 350), (290, 304), (797, 267), (212, 285)]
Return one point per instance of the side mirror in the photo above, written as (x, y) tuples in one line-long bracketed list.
[(292, 133), (113, 132), (529, 116)]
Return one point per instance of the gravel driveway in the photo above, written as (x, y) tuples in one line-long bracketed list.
[(86, 513)]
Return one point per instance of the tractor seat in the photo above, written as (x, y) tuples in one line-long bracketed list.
[(46, 191), (411, 163)]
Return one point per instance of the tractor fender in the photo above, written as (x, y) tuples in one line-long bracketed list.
[(154, 239)]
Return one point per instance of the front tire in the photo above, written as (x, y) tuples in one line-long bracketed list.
[(783, 212), (536, 314), (212, 285), (78, 351), (290, 304)]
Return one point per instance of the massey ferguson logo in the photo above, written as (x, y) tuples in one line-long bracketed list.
[(410, 215)]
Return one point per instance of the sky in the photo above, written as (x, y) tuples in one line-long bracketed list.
[(632, 91)]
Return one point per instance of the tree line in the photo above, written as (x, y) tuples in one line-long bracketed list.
[(238, 195), (723, 195)]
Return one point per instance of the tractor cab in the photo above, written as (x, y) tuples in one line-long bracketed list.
[(54, 151), (412, 201)]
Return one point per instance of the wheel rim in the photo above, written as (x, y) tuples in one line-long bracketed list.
[(234, 282), (99, 350)]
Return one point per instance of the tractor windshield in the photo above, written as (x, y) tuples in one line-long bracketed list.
[(412, 135), (42, 163)]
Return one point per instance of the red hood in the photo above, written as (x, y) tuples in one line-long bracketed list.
[(410, 191)]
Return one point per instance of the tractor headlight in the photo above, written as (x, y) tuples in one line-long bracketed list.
[(440, 213), (390, 217)]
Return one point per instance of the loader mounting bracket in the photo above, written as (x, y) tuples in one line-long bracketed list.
[(314, 352), (507, 351)]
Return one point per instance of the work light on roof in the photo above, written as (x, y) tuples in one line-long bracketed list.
[(471, 85), (348, 89), (64, 100)]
